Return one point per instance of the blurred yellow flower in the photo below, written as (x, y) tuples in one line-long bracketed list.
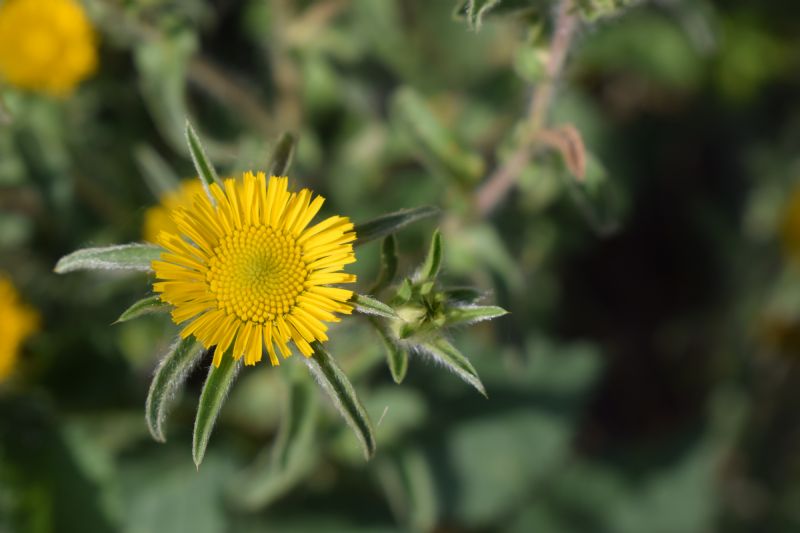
[(17, 322), (46, 45), (158, 219), (248, 272)]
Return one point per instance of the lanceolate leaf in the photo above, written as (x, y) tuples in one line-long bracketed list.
[(387, 224), (212, 398), (396, 357), (433, 262), (388, 264), (279, 468), (121, 257), (145, 306), (205, 170), (341, 392), (370, 306), (282, 155), (466, 295), (169, 376), (469, 314), (448, 355)]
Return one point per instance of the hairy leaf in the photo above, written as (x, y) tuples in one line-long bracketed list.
[(215, 390), (370, 306), (469, 314), (341, 392), (145, 306), (134, 256), (387, 224), (448, 355), (168, 378)]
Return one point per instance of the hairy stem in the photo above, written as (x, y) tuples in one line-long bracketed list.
[(500, 182)]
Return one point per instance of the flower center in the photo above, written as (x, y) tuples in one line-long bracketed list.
[(256, 273)]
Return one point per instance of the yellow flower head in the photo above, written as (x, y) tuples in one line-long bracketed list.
[(158, 219), (45, 45), (248, 272), (17, 322)]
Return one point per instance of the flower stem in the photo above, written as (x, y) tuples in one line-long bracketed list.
[(500, 182)]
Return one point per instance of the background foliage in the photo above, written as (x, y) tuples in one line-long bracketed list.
[(646, 378)]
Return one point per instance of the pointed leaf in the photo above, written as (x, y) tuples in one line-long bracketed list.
[(433, 261), (370, 306), (121, 257), (469, 314), (448, 355), (341, 392), (387, 224), (396, 356), (145, 306), (388, 264), (159, 176), (205, 170), (279, 468), (282, 155), (169, 376), (212, 398)]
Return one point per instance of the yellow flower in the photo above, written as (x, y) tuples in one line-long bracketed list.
[(46, 45), (17, 322), (158, 219), (247, 272)]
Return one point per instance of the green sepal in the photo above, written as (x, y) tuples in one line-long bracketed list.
[(169, 376), (334, 382), (433, 261), (396, 356), (370, 306), (205, 170), (403, 293), (387, 224), (388, 264), (135, 256), (281, 158), (469, 314), (212, 398), (145, 306), (448, 355)]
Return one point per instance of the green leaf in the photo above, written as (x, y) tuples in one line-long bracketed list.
[(145, 306), (387, 224), (433, 261), (120, 257), (403, 293), (169, 376), (435, 143), (388, 264), (341, 392), (469, 314), (370, 306), (408, 483), (159, 176), (396, 356), (448, 355), (205, 170), (212, 398), (282, 155), (278, 469)]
